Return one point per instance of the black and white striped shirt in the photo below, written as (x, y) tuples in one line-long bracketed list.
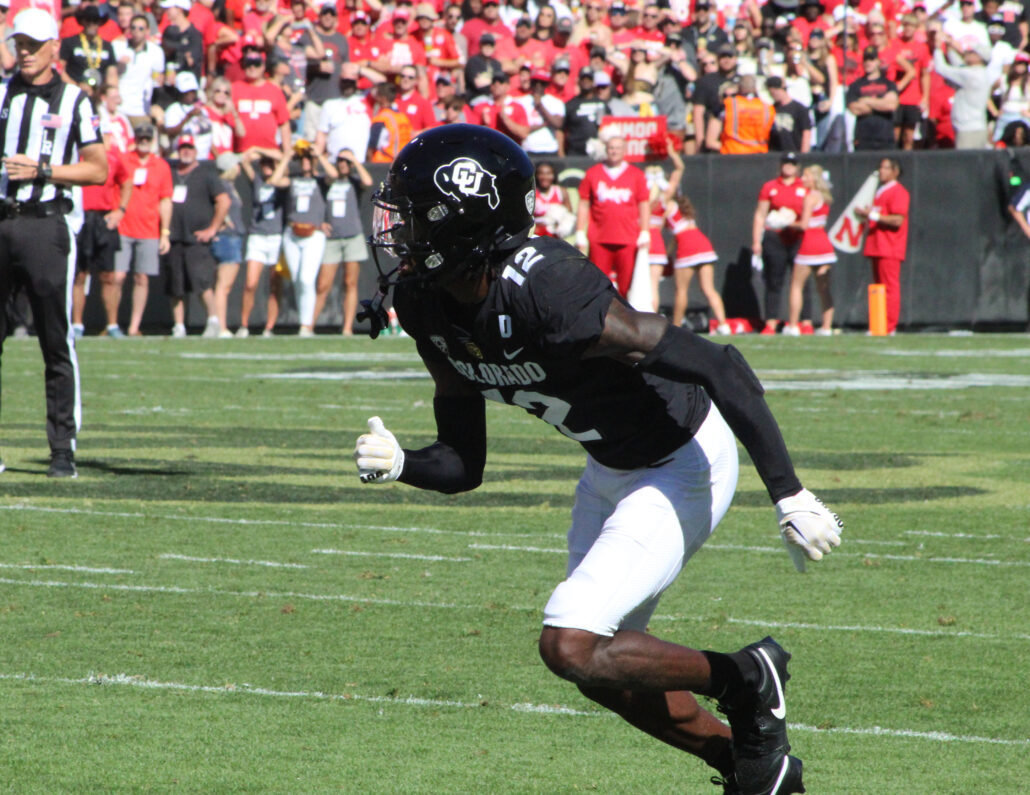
[(29, 122)]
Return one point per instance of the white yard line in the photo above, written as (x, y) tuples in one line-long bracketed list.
[(234, 561), (89, 569), (145, 683), (402, 555), (350, 598)]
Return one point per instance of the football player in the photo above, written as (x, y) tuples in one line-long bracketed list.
[(531, 322)]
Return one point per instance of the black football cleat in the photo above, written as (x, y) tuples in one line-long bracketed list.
[(62, 464), (758, 718)]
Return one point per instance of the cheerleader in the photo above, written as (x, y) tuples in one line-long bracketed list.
[(816, 252), (662, 190), (693, 252), (553, 209)]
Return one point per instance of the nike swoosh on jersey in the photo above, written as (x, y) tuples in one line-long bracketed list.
[(513, 354), (780, 710)]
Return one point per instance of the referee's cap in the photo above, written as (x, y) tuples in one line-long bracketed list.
[(35, 23)]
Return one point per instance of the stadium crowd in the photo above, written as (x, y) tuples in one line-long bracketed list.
[(298, 95)]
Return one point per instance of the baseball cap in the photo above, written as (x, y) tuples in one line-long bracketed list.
[(444, 78), (185, 5), (1022, 57), (5, 3), (186, 81), (361, 18), (774, 82), (328, 8), (602, 79), (35, 23), (789, 157), (185, 140), (426, 10), (586, 71), (560, 65), (564, 25), (617, 8), (983, 51), (487, 38), (400, 14), (252, 41), (541, 75), (144, 131), (870, 54), (524, 21), (725, 49), (702, 4)]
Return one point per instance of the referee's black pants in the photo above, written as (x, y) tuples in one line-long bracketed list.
[(37, 255)]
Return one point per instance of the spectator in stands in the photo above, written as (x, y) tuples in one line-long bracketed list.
[(606, 93), (561, 48), (97, 241), (261, 105), (452, 23), (182, 43), (345, 238), (226, 124), (703, 34), (144, 228), (561, 87), (612, 216), (583, 115), (674, 74), (743, 42), (873, 99), (344, 122), (323, 75), (399, 51), (390, 130), (86, 60), (967, 32), (774, 242), (1014, 100), (141, 68), (527, 49), (552, 207), (199, 206), (304, 237), (227, 244), (709, 93), (887, 240), (827, 95), (792, 127), (264, 230), (411, 102), (115, 125), (488, 21), (545, 114), (908, 64), (364, 50), (813, 17), (482, 62), (187, 116), (972, 82), (504, 112), (591, 30), (543, 27), (746, 122), (442, 54)]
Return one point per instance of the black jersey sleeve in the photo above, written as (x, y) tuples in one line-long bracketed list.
[(563, 300)]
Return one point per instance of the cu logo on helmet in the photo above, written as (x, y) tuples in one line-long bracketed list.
[(463, 176)]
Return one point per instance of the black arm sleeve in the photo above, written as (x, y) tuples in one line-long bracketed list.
[(721, 369), (456, 460)]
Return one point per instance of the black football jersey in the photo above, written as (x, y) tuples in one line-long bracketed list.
[(523, 345)]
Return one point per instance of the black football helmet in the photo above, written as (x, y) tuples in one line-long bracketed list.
[(454, 195)]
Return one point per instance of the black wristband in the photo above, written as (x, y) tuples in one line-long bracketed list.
[(44, 172)]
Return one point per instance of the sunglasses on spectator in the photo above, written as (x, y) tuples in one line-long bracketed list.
[(220, 91)]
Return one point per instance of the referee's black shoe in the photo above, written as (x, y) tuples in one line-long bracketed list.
[(62, 464), (761, 761)]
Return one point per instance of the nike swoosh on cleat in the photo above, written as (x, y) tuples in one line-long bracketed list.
[(513, 354), (780, 710)]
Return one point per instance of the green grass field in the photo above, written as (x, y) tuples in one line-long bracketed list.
[(218, 605)]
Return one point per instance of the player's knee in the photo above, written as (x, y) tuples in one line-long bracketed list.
[(569, 653)]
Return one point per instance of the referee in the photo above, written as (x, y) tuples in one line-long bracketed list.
[(50, 143)]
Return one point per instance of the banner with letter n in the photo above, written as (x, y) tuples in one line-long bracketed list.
[(645, 136), (848, 231)]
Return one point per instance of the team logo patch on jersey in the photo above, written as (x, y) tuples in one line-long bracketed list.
[(439, 342), (474, 350), (463, 176), (530, 201)]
